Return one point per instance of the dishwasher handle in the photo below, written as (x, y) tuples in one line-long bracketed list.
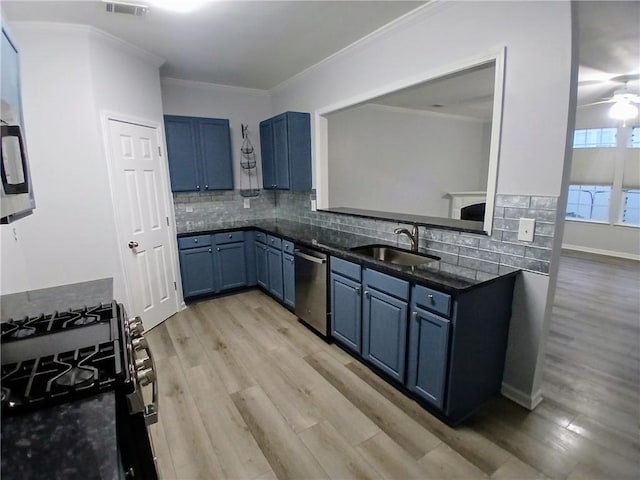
[(311, 258)]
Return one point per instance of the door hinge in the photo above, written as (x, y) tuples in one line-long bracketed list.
[(175, 286), (159, 151), (167, 221)]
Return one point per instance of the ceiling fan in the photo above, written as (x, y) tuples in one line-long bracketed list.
[(624, 100)]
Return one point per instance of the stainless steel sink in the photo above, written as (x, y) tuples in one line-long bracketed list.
[(395, 255)]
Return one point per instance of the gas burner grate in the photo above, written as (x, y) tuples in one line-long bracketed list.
[(13, 330), (60, 378)]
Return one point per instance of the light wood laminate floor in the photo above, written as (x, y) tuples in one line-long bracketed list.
[(247, 392)]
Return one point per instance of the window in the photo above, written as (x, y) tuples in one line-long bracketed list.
[(631, 207), (634, 138), (589, 202), (595, 138)]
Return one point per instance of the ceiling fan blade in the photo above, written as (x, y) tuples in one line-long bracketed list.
[(597, 103)]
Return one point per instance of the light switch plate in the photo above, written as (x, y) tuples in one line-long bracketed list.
[(247, 203), (526, 228)]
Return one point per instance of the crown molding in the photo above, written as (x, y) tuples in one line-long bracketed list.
[(214, 86), (89, 31), (422, 113), (431, 7)]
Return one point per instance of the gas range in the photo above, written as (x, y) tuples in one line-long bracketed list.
[(64, 357)]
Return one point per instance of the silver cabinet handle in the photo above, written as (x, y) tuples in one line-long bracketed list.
[(358, 291), (210, 250), (195, 240), (366, 293), (415, 315), (197, 187), (218, 249), (206, 187), (291, 260), (230, 235), (133, 245)]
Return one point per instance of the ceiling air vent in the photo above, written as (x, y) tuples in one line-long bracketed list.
[(126, 8)]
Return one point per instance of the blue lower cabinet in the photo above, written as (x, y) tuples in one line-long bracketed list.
[(384, 332), (428, 354), (289, 279), (232, 269), (197, 268), (346, 308), (274, 260), (262, 265)]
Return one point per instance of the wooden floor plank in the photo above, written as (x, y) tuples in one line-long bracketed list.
[(445, 463), (288, 457), (390, 460), (404, 430), (338, 458)]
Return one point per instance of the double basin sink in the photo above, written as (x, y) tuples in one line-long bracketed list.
[(395, 255)]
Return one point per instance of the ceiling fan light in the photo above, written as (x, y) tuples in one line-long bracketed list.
[(180, 6), (623, 110)]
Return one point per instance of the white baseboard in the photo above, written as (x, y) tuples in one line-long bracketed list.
[(524, 399), (598, 251)]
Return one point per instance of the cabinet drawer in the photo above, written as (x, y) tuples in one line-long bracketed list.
[(287, 246), (274, 242), (195, 241), (432, 300), (386, 283), (228, 237), (348, 269), (261, 237)]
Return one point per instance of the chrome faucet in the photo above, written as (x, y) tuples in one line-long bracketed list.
[(413, 235)]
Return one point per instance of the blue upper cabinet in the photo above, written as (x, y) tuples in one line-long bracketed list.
[(285, 142), (199, 153), (215, 149)]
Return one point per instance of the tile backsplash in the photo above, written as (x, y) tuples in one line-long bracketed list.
[(465, 254)]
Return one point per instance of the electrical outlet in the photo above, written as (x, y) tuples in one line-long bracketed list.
[(189, 208), (247, 203), (526, 228), (313, 206)]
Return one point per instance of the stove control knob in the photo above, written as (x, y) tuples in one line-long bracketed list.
[(139, 343), (143, 363), (146, 376), (136, 328)]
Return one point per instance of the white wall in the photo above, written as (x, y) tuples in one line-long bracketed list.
[(399, 160), (238, 105), (535, 113), (607, 239), (69, 74)]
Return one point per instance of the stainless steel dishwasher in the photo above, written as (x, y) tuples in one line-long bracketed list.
[(311, 288)]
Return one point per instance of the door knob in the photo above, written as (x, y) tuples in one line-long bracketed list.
[(133, 245)]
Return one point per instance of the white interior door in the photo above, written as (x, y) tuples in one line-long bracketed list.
[(143, 221)]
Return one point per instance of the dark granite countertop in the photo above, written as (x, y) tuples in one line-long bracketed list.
[(72, 441), (442, 223), (339, 243), (49, 300)]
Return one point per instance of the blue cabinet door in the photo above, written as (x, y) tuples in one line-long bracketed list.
[(274, 259), (232, 270), (215, 151), (262, 265), (346, 309), (289, 279), (250, 256), (281, 151), (286, 152), (428, 354), (384, 332), (197, 268), (182, 153), (266, 149)]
